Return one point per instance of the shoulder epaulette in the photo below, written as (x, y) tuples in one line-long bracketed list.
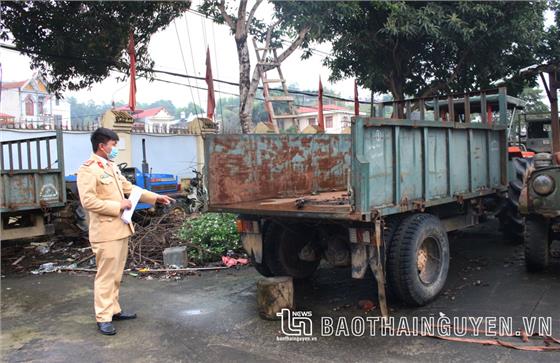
[(88, 162)]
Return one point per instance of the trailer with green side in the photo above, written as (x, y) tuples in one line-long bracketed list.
[(383, 198), (33, 186)]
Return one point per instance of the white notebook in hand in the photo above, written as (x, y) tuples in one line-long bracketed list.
[(134, 197)]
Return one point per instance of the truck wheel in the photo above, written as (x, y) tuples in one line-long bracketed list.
[(511, 220), (537, 243), (261, 268), (418, 259), (281, 251), (390, 268)]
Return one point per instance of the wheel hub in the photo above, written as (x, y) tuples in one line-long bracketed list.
[(428, 261), (422, 259)]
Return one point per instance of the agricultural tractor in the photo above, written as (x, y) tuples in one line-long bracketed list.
[(539, 201), (158, 183)]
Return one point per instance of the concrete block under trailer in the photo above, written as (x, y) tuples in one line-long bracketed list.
[(384, 196)]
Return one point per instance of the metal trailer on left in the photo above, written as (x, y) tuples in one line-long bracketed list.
[(33, 186)]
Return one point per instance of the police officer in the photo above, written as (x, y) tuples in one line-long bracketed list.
[(102, 191)]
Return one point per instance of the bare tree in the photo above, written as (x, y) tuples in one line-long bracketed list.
[(240, 25)]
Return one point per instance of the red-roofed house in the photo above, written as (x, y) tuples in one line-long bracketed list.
[(6, 119), (156, 119), (31, 105), (337, 118)]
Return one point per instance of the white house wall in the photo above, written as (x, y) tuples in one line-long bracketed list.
[(10, 103), (169, 154), (13, 103), (176, 154)]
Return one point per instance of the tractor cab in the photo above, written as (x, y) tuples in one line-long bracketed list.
[(538, 131), (480, 108)]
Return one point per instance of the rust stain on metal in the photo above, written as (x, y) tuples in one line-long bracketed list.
[(420, 205), (246, 168)]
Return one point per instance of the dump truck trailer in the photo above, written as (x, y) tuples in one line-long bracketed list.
[(33, 186), (384, 197)]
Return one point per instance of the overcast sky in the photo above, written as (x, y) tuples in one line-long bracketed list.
[(194, 32)]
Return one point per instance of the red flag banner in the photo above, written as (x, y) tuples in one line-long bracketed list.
[(356, 101), (211, 104), (132, 92), (320, 118)]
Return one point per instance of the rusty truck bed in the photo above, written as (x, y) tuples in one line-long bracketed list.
[(294, 175), (390, 166), (333, 205)]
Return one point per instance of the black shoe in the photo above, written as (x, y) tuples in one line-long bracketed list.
[(106, 328), (124, 316)]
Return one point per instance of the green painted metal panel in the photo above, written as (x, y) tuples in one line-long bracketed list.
[(437, 163), (459, 162), (495, 159), (479, 152), (378, 153), (404, 165), (410, 154)]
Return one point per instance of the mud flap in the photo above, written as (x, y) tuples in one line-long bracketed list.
[(370, 254), (377, 266)]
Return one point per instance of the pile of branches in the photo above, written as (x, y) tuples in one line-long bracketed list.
[(153, 235)]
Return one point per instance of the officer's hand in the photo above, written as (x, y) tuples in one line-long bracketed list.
[(125, 204), (164, 199)]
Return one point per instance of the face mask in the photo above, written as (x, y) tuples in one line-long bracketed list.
[(113, 154)]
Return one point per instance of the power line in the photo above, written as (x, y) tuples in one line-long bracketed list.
[(185, 65), (175, 74), (283, 41), (192, 55)]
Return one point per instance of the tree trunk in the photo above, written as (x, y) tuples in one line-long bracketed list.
[(395, 83), (248, 84), (273, 295), (245, 102)]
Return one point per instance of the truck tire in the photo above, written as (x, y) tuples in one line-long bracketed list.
[(261, 268), (418, 260), (281, 251), (537, 243), (391, 226), (511, 220)]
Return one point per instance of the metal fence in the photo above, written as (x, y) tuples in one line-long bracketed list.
[(89, 127)]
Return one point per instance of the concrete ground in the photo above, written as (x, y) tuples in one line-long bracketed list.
[(212, 317)]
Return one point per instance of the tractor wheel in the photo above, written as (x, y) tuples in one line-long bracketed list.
[(281, 249), (511, 220), (418, 259), (82, 218), (178, 211), (537, 243), (72, 221)]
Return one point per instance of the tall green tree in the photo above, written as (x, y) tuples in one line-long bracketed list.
[(422, 48), (76, 44), (533, 98)]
